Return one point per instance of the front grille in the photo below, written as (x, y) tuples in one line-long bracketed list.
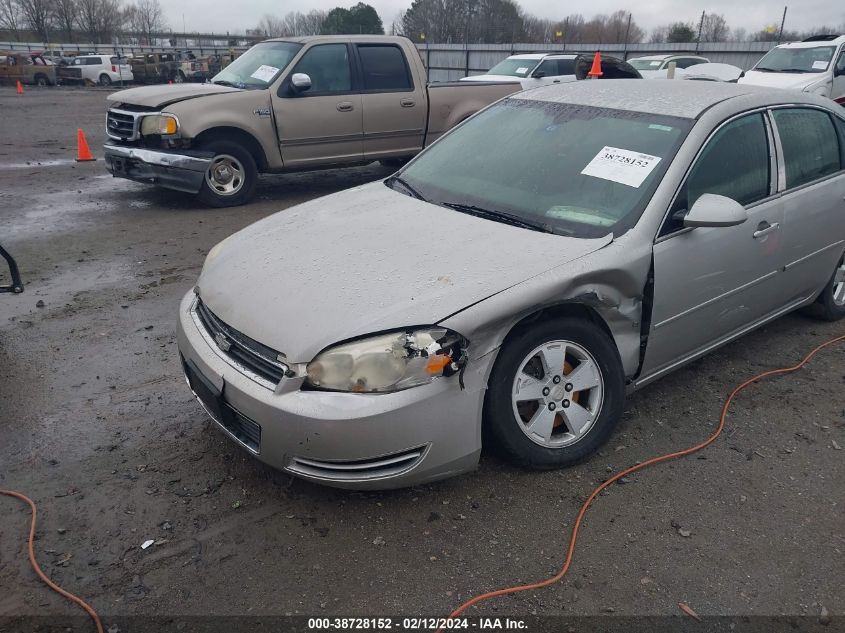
[(374, 468), (249, 354), (121, 125)]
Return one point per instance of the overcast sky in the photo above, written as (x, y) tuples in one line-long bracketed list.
[(222, 16)]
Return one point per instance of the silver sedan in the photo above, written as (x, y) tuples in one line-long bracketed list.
[(507, 287)]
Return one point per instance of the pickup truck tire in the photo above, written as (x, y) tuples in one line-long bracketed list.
[(105, 80), (178, 77), (232, 176), (41, 80)]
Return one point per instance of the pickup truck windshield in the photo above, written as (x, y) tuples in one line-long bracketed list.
[(259, 66), (562, 168), (513, 67), (796, 60)]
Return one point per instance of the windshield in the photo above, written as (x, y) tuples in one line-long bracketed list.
[(646, 64), (513, 67), (259, 66), (567, 169), (796, 60)]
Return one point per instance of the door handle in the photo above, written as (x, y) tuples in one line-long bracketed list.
[(764, 228), (407, 103), (345, 106)]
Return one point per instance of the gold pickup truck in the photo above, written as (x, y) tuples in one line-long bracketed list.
[(287, 105), (28, 68)]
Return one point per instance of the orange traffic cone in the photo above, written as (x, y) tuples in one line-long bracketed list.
[(595, 71), (20, 87), (83, 153)]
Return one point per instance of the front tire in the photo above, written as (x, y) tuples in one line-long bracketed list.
[(41, 80), (555, 394), (830, 305), (232, 176), (179, 77)]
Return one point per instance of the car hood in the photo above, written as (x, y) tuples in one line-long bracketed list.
[(795, 81), (366, 260), (165, 94)]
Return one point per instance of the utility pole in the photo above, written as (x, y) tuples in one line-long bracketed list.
[(700, 27), (627, 33), (782, 22)]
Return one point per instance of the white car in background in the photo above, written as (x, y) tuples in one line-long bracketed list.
[(657, 66), (532, 69), (103, 69), (816, 64)]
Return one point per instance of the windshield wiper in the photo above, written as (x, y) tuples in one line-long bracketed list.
[(763, 69), (398, 179), (499, 216), (223, 82)]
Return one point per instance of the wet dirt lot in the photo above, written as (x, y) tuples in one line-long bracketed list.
[(98, 427)]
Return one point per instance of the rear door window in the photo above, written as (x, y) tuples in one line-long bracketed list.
[(384, 69), (810, 144)]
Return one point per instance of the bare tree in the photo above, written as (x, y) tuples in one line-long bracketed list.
[(101, 20), (271, 26), (11, 18), (147, 18), (37, 16), (293, 23), (714, 28), (65, 13)]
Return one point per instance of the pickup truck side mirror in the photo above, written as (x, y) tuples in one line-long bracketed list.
[(300, 82), (538, 74), (714, 210)]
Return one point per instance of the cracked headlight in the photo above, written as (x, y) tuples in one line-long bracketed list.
[(388, 362), (159, 125)]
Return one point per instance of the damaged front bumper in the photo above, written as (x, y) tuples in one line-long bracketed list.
[(182, 170), (345, 440)]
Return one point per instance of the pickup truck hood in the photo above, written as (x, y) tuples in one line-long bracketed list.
[(794, 81), (366, 260), (165, 94)]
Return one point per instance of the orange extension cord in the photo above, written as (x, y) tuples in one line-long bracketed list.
[(650, 462), (41, 574), (499, 592)]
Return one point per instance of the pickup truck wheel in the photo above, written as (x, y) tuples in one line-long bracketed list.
[(231, 177), (179, 77), (555, 394), (105, 80), (41, 80)]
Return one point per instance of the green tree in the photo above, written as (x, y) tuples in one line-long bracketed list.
[(680, 32), (362, 18)]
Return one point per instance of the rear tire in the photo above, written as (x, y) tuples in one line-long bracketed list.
[(179, 77), (105, 80), (41, 80), (542, 416), (231, 178), (830, 305)]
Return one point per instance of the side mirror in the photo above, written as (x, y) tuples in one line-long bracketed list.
[(300, 82), (714, 210), (838, 72), (538, 74)]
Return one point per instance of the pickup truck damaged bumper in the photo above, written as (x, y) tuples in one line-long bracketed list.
[(173, 170)]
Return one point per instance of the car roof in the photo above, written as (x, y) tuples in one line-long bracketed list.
[(340, 38), (685, 99), (814, 43)]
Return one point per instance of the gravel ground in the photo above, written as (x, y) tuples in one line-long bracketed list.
[(97, 425)]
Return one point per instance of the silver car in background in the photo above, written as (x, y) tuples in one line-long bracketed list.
[(511, 283)]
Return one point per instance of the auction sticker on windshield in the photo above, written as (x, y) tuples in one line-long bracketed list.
[(621, 165), (522, 70), (265, 73), (819, 65)]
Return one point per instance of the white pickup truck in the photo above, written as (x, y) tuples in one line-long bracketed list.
[(287, 105), (815, 65)]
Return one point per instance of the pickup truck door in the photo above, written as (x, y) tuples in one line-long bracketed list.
[(395, 108), (324, 124), (711, 283)]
